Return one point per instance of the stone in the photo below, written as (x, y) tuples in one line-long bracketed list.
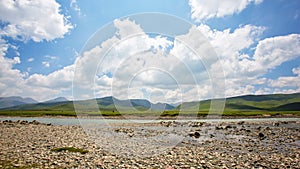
[(195, 134), (261, 135), (232, 148)]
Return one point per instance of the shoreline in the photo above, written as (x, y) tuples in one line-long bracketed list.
[(136, 117)]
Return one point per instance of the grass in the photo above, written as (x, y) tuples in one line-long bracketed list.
[(36, 113), (256, 113), (10, 165), (70, 149), (171, 113), (237, 106), (229, 113)]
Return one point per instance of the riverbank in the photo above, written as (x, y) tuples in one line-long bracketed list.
[(229, 145), (149, 117)]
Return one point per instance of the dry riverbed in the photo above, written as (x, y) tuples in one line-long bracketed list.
[(203, 145)]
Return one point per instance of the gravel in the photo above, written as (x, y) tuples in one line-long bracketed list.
[(203, 145)]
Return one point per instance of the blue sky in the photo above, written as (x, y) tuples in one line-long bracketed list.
[(257, 43)]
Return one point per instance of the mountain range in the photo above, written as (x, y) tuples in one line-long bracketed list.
[(270, 102), (105, 103), (15, 101)]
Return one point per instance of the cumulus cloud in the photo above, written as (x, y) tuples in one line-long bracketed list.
[(288, 84), (207, 9), (243, 71), (36, 20), (133, 64), (31, 20), (57, 80), (15, 82), (112, 52), (9, 77), (136, 67), (229, 45), (223, 64), (122, 56), (272, 52)]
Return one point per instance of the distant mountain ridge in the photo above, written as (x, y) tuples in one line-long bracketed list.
[(58, 99), (111, 102), (15, 101), (271, 102), (105, 103)]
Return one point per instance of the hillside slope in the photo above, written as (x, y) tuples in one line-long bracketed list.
[(247, 103), (271, 102), (106, 103), (15, 101)]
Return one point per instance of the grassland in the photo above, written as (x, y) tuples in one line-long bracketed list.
[(231, 113), (36, 113), (169, 113), (249, 105)]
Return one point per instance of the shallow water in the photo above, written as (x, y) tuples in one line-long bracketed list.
[(91, 121)]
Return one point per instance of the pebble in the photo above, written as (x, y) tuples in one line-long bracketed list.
[(227, 145)]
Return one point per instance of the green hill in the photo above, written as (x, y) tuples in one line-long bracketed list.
[(240, 105), (272, 102), (106, 105)]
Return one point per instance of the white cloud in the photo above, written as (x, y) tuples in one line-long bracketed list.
[(144, 62), (10, 78), (30, 59), (29, 20), (119, 47), (3, 47), (281, 83), (127, 27), (74, 5), (14, 82), (36, 20), (272, 52), (242, 71), (51, 57), (229, 46), (296, 71), (227, 63), (127, 53), (207, 9), (58, 80), (16, 60), (46, 64), (230, 43), (139, 65), (130, 60)]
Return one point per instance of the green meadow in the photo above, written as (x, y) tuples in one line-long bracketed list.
[(168, 113), (249, 105)]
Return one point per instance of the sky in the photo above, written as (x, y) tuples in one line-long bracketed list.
[(163, 51)]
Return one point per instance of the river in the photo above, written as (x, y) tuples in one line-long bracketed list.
[(75, 121)]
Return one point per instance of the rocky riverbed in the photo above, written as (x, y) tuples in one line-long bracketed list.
[(197, 145)]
